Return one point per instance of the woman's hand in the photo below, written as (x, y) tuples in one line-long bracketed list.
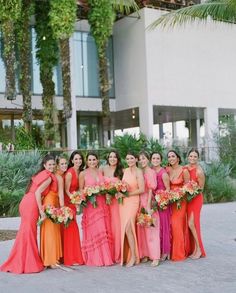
[(108, 199)]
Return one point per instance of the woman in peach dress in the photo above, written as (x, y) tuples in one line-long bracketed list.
[(113, 172), (72, 253), (24, 257), (194, 207), (97, 239), (50, 233), (133, 176), (148, 237), (178, 176)]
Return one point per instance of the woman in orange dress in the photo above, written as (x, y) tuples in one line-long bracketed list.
[(148, 237), (72, 253), (113, 172), (24, 256), (194, 207), (178, 176), (50, 233), (97, 240), (133, 176)]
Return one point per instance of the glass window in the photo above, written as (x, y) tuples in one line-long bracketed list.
[(88, 132)]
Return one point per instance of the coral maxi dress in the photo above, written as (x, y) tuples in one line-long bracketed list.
[(72, 253), (179, 223), (24, 256), (149, 237), (97, 239), (194, 207)]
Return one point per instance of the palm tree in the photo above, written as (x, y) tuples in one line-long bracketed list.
[(218, 10)]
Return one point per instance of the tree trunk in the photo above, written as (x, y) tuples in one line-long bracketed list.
[(64, 46), (24, 44), (9, 58)]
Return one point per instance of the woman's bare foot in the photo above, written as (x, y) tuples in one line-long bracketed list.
[(144, 259), (165, 257), (197, 255), (131, 263)]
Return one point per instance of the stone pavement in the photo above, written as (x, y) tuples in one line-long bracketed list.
[(215, 273)]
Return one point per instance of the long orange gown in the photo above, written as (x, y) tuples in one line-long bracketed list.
[(50, 233), (179, 227), (72, 253), (24, 256), (128, 212), (194, 207)]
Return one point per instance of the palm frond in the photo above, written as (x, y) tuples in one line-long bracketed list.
[(220, 10), (125, 6)]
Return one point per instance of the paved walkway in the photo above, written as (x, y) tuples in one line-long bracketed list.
[(214, 274)]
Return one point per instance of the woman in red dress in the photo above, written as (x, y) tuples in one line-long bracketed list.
[(71, 237), (178, 176), (194, 206), (24, 256)]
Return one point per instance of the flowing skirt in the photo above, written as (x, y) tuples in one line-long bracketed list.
[(115, 229), (24, 256), (165, 230), (97, 239)]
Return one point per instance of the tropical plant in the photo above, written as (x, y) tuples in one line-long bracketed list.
[(9, 13), (218, 10), (15, 172), (47, 55)]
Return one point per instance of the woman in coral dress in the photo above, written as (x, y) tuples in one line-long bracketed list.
[(97, 239), (148, 237), (178, 176), (113, 172), (24, 256), (194, 207), (133, 176), (163, 183), (72, 254)]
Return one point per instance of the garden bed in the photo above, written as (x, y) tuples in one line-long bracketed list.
[(7, 235)]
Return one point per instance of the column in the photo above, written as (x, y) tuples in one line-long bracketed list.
[(194, 133), (211, 119), (146, 119), (72, 122)]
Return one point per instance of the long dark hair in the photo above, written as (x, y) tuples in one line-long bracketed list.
[(45, 159), (91, 153), (177, 155), (119, 167), (134, 154), (71, 164)]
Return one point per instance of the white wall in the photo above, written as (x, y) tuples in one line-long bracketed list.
[(187, 66)]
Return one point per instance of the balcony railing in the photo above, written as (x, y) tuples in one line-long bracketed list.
[(167, 4)]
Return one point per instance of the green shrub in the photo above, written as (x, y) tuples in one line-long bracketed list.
[(219, 186)]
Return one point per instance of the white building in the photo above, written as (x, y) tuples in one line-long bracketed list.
[(164, 75)]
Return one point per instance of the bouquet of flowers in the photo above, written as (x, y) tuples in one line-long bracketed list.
[(78, 198), (191, 189), (162, 198), (177, 196), (57, 215), (90, 193), (122, 191), (64, 216), (145, 219)]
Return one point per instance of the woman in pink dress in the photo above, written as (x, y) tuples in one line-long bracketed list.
[(163, 183), (24, 256), (194, 207), (148, 237), (133, 176), (72, 254), (178, 176), (97, 239), (113, 172)]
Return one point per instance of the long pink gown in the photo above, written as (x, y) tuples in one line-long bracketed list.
[(72, 253), (149, 237), (24, 257), (97, 239), (179, 227), (165, 215), (115, 223), (128, 212), (194, 207)]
